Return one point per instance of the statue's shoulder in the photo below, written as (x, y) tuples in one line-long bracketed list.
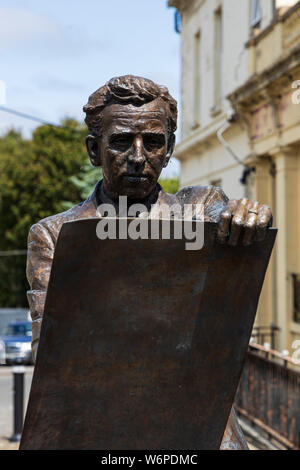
[(51, 225), (201, 195), (212, 198)]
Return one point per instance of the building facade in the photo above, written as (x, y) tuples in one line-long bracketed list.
[(240, 104)]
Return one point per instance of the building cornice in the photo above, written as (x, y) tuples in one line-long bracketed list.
[(179, 4), (185, 5), (285, 69)]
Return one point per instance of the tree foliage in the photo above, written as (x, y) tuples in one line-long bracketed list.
[(35, 181), (85, 181), (170, 185)]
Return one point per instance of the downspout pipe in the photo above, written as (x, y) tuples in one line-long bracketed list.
[(231, 117)]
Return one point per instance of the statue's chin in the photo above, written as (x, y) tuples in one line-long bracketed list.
[(137, 188), (136, 194)]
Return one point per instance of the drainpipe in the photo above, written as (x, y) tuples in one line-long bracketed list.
[(231, 118)]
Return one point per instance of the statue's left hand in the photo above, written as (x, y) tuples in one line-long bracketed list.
[(243, 219)]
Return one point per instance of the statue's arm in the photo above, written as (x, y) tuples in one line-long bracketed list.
[(233, 438), (39, 260)]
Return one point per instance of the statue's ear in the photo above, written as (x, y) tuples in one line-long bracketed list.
[(92, 147), (170, 149)]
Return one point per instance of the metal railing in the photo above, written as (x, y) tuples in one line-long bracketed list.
[(269, 394), (261, 334)]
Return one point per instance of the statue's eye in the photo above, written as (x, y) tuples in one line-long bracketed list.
[(153, 141), (121, 142)]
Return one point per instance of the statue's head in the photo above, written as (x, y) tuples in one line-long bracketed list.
[(132, 123)]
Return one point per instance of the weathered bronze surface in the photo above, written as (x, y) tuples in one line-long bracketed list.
[(132, 123), (145, 353)]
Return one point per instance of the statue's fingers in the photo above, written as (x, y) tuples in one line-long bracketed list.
[(238, 221), (223, 227), (250, 223), (225, 221), (264, 220)]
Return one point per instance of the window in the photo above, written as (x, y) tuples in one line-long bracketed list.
[(197, 78), (256, 14), (219, 58), (177, 22), (296, 297), (19, 329)]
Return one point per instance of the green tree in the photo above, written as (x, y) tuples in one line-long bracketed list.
[(35, 181), (85, 181), (170, 185)]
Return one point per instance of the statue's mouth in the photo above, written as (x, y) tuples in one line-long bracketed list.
[(135, 177)]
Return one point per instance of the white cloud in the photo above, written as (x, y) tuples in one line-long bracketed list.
[(17, 25), (38, 36)]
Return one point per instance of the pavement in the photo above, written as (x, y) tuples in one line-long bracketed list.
[(5, 444), (6, 404)]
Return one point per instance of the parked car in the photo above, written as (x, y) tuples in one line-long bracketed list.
[(17, 339)]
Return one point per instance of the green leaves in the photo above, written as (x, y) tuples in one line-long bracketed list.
[(35, 181), (169, 185)]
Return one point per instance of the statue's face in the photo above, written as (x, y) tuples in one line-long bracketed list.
[(133, 148)]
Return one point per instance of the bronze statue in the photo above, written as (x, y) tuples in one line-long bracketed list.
[(132, 122)]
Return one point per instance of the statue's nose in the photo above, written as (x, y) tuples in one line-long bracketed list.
[(138, 155)]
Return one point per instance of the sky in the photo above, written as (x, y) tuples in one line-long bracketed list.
[(53, 55)]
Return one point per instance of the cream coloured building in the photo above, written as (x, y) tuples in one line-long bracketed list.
[(240, 103)]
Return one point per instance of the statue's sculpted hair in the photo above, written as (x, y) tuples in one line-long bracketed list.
[(128, 89)]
